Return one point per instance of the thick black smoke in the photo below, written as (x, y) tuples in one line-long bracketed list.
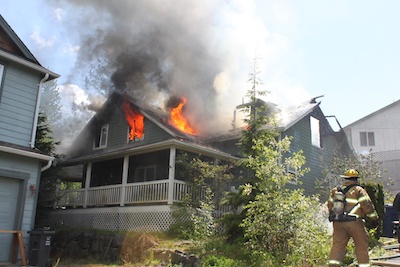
[(152, 50)]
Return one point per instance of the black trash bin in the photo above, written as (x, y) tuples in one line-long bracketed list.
[(39, 246), (391, 215)]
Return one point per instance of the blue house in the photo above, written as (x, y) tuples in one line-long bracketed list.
[(21, 164)]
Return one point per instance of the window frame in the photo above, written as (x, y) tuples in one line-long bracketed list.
[(135, 139), (315, 130), (101, 142), (367, 138), (293, 172)]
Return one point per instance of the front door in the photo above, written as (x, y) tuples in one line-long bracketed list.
[(9, 189)]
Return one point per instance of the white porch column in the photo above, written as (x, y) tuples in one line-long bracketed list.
[(87, 183), (124, 180), (171, 175)]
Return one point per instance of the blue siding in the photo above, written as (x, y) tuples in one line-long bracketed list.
[(118, 132), (17, 105), (317, 159)]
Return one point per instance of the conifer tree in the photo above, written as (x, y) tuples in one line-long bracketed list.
[(279, 223)]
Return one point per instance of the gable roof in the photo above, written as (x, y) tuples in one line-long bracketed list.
[(373, 114), (290, 115), (286, 116), (12, 48)]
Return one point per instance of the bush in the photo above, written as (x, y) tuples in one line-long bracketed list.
[(282, 225), (220, 261)]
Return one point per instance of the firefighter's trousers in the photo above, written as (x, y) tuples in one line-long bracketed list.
[(342, 231)]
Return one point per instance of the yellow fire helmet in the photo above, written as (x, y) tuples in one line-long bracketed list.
[(351, 173)]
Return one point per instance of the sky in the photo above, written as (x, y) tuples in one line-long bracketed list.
[(345, 51)]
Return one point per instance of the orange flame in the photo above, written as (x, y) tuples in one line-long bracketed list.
[(179, 120), (134, 119)]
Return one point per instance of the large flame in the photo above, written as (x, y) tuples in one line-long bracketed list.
[(179, 120), (134, 119)]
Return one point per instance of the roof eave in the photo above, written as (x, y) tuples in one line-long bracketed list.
[(154, 147), (29, 64)]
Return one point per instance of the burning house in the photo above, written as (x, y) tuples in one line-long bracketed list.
[(127, 157), (149, 54)]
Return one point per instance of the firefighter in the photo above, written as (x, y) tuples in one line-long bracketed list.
[(348, 205)]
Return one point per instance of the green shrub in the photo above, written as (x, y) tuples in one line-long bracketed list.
[(220, 261)]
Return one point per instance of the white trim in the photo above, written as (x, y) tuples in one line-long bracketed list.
[(122, 210), (171, 175), (206, 151), (28, 64), (125, 168), (1, 73), (100, 146), (315, 132), (25, 153)]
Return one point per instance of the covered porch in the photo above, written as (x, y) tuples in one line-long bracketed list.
[(141, 176)]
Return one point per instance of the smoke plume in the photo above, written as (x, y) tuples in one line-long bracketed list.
[(154, 50)]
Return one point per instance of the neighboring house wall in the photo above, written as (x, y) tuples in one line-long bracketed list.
[(20, 162), (17, 104), (379, 134), (317, 157)]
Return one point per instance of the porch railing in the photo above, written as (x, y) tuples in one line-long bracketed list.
[(133, 193)]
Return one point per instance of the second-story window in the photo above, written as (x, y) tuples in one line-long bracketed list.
[(367, 139), (101, 139), (315, 132), (134, 137)]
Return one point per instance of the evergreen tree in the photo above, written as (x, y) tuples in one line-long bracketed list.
[(47, 189), (279, 224)]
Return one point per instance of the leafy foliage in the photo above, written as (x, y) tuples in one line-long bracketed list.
[(195, 215)]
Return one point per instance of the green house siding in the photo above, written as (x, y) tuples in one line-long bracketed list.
[(317, 158), (17, 105), (118, 130), (118, 134)]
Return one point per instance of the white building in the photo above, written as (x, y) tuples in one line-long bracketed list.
[(379, 133)]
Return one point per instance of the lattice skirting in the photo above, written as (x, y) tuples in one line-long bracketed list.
[(149, 218)]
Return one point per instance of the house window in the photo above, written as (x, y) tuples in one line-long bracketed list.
[(135, 138), (292, 171), (146, 173), (367, 138), (101, 139), (315, 132)]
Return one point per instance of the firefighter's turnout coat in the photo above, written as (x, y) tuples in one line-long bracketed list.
[(360, 206)]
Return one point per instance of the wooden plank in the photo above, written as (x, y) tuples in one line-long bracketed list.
[(9, 231), (21, 248), (17, 243)]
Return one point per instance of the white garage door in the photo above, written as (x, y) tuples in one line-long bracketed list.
[(9, 189)]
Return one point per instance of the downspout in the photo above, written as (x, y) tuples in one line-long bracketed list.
[(35, 121), (47, 166)]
